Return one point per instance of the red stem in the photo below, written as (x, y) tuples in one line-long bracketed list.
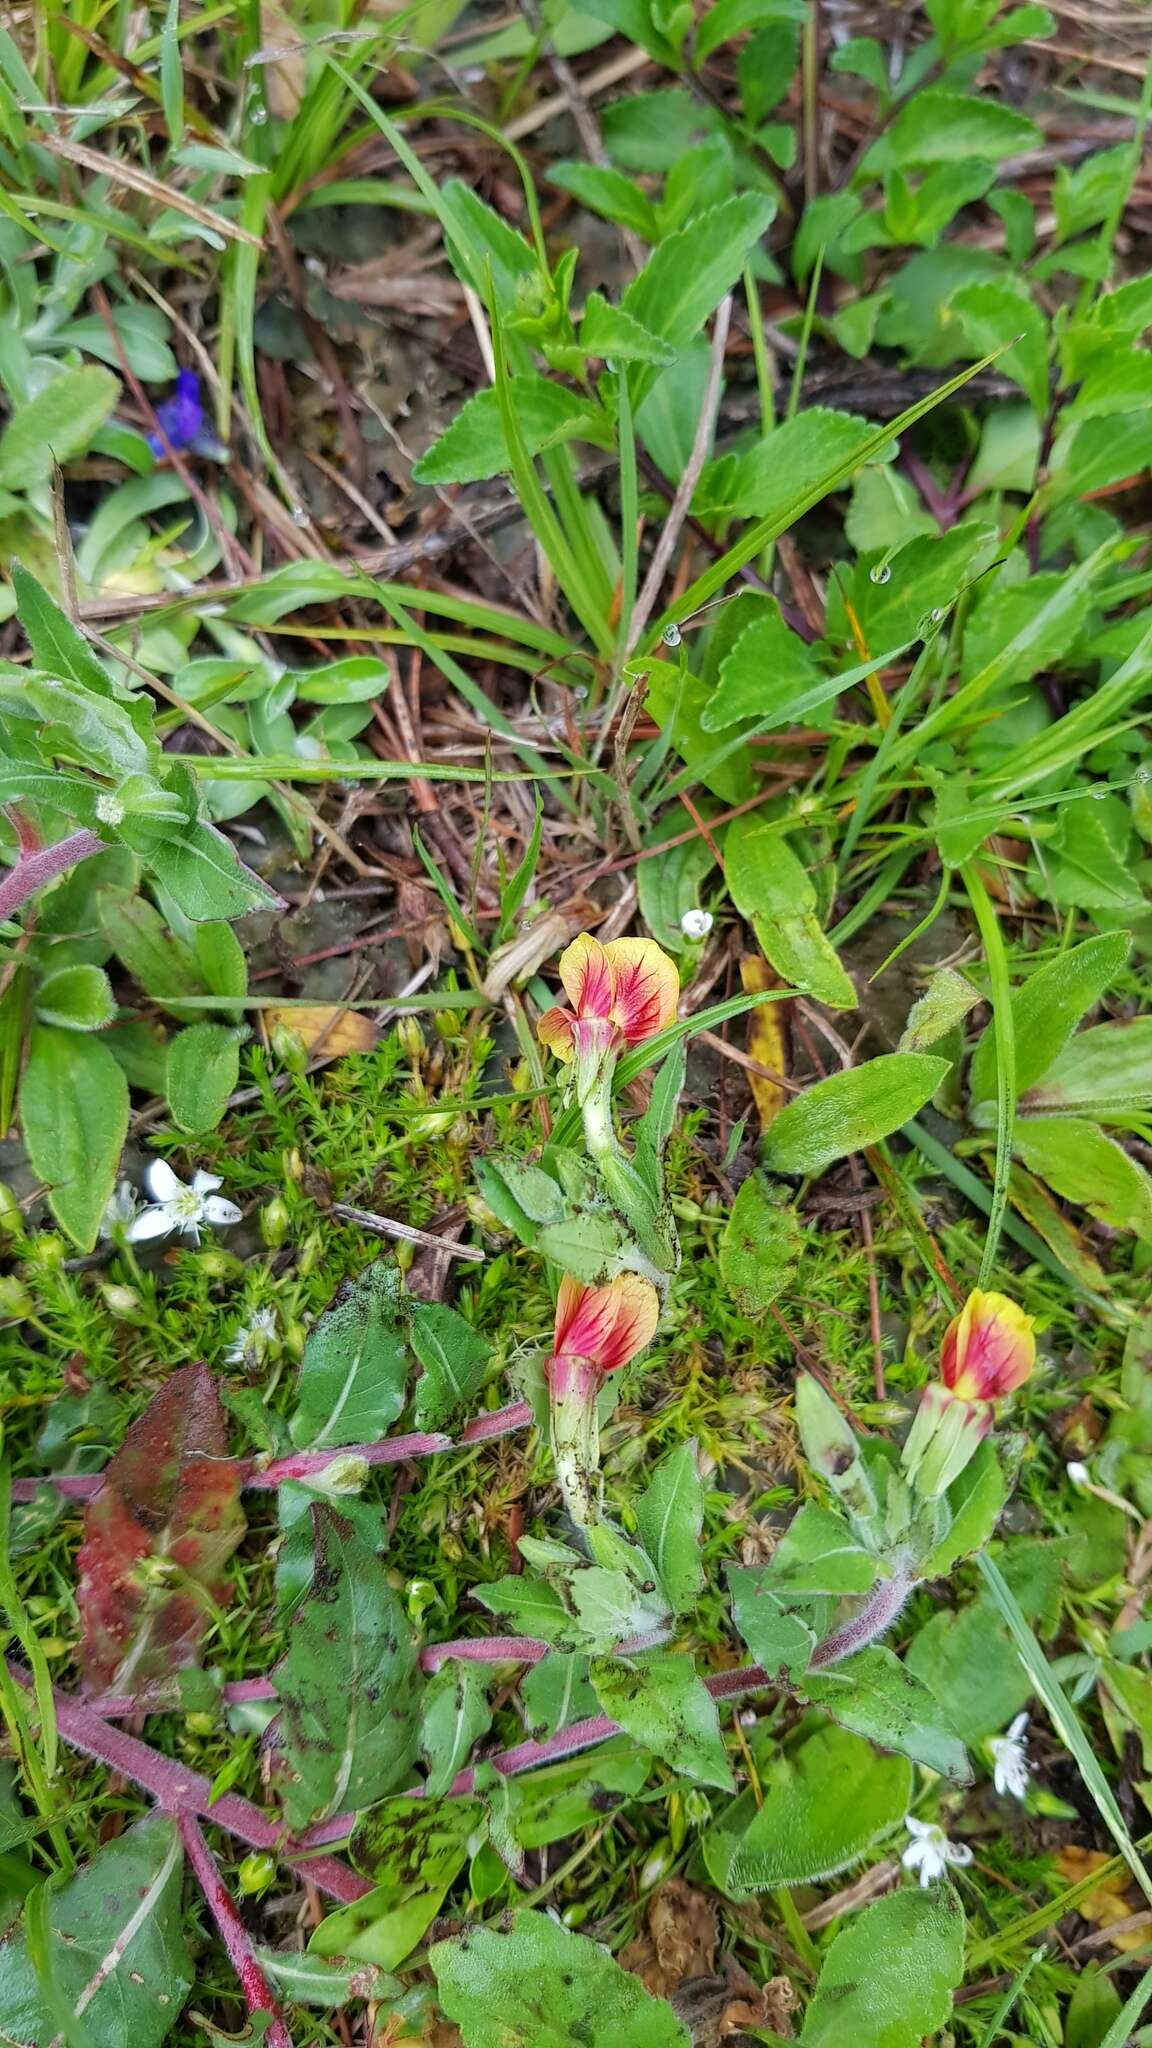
[(258, 1993), (391, 1450), (179, 1790), (33, 870), (116, 1706)]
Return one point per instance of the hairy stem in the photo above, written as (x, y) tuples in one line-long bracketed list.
[(870, 1620), (33, 870), (258, 1993)]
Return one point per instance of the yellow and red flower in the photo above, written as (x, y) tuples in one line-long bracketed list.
[(598, 1329), (621, 994), (988, 1349)]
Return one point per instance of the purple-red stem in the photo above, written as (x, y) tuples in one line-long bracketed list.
[(112, 1706), (33, 871), (258, 1993), (391, 1450)]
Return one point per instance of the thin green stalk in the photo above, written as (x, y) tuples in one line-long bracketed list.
[(805, 335), (1063, 1716), (629, 520), (1005, 1036), (988, 2038), (765, 388)]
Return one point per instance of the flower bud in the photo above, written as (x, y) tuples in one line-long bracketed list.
[(275, 1221), (988, 1349), (123, 1302), (657, 1865), (15, 1300), (11, 1214), (255, 1874), (343, 1475)]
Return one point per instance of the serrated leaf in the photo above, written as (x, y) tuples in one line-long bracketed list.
[(55, 425), (841, 1115), (660, 1701), (201, 1072), (785, 465), (120, 1958), (767, 658), (688, 274), (57, 645), (171, 1497), (993, 314), (349, 1686), (353, 1374), (806, 1830), (74, 1119), (610, 333), (454, 1358), (876, 1695), (670, 1518), (473, 446), (947, 127), (610, 194), (887, 1979), (541, 1986)]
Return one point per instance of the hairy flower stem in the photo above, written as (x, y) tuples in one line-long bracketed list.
[(575, 1437), (33, 871), (871, 1619)]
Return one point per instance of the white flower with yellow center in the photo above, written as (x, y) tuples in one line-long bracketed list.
[(175, 1206)]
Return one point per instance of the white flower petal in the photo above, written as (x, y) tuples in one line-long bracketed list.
[(154, 1222), (162, 1183), (922, 1828), (203, 1182), (958, 1853), (1017, 1731), (219, 1212)]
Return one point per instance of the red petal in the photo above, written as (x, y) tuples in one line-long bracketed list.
[(586, 973), (647, 987)]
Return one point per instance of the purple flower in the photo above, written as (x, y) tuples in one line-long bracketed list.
[(181, 416)]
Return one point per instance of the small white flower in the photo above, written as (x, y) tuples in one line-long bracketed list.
[(696, 924), (119, 1209), (177, 1207), (1078, 1473), (252, 1339), (1009, 1752), (931, 1852), (109, 808)]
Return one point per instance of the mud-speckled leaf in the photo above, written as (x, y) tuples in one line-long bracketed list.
[(414, 1845), (206, 877), (454, 1358), (670, 1517), (349, 1685), (762, 1241), (454, 1714), (888, 1977), (555, 1692), (807, 1830), (779, 1640), (661, 1702), (118, 1950), (74, 1118), (850, 1110), (876, 1695), (541, 1986), (170, 1501), (311, 1980), (355, 1364)]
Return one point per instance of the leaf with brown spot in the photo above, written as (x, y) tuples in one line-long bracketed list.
[(157, 1536), (767, 1039), (325, 1030)]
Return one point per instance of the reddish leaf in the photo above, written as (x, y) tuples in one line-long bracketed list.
[(165, 1521)]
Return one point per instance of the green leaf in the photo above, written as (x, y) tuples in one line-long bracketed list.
[(358, 679), (886, 510), (56, 425), (532, 1607), (780, 1641), (767, 655), (975, 1500), (782, 468), (455, 1714), (57, 645), (762, 1241), (454, 1358), (766, 67), (841, 1115), (201, 1072), (415, 1849), (806, 1829), (944, 1004), (875, 1695), (924, 578), (817, 1554), (473, 446), (938, 127), (610, 194), (1046, 1010), (660, 1701), (968, 1660), (205, 876), (1105, 1072), (635, 20), (74, 1117), (119, 1954), (221, 961), (1085, 1166), (610, 333), (310, 1980), (540, 1986), (670, 1518), (354, 1369), (155, 957), (555, 1692), (994, 313), (1099, 453), (672, 884), (771, 887), (887, 1979), (349, 1686), (686, 277), (611, 1609), (77, 998), (728, 18)]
